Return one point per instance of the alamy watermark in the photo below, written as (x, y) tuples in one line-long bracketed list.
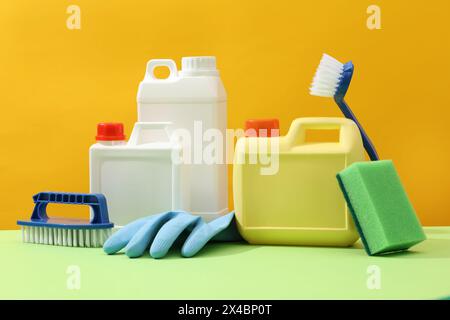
[(374, 19), (73, 21), (213, 146), (374, 277), (73, 281)]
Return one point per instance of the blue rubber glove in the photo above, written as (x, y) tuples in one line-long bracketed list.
[(160, 231)]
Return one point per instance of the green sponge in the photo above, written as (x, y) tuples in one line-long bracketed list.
[(380, 207)]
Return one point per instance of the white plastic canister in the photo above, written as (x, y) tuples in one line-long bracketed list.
[(192, 99), (138, 178)]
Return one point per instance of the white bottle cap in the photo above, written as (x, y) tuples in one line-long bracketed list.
[(199, 66)]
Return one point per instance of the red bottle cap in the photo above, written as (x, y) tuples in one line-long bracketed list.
[(262, 127), (110, 131)]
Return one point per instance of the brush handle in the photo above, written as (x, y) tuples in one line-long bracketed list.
[(368, 145), (95, 200)]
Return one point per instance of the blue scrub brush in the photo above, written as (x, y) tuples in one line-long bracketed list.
[(332, 79), (380, 207), (65, 231)]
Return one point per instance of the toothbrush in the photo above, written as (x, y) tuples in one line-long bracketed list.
[(332, 79)]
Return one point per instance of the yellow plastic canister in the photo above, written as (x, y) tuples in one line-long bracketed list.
[(300, 203)]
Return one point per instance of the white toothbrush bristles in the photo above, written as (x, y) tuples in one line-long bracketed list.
[(93, 238), (327, 77)]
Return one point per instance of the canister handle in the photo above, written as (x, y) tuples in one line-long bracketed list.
[(348, 131), (154, 63), (136, 137)]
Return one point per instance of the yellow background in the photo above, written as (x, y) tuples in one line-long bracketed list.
[(56, 83)]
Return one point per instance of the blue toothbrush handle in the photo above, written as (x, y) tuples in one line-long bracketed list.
[(95, 200), (368, 145)]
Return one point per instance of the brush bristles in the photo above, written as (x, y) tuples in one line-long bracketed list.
[(93, 238), (327, 77)]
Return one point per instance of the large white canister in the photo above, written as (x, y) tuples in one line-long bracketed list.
[(194, 101), (137, 177)]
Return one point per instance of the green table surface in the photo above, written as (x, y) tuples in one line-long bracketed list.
[(225, 271)]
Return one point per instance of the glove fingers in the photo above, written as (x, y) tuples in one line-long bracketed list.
[(144, 236), (230, 233), (169, 232), (121, 238), (203, 233)]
